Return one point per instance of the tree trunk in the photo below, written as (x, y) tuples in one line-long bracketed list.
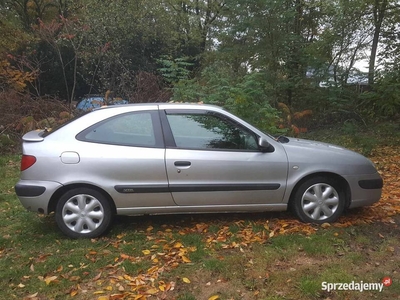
[(379, 14)]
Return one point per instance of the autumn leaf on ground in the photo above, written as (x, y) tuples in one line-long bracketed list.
[(73, 292), (152, 291), (50, 279), (185, 280), (185, 259)]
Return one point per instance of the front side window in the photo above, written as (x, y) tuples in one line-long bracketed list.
[(130, 129), (209, 131)]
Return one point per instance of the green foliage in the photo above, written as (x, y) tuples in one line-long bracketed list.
[(6, 144), (385, 98), (244, 55), (176, 69), (365, 143), (247, 96)]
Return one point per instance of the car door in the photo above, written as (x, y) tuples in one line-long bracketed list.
[(125, 155), (212, 160)]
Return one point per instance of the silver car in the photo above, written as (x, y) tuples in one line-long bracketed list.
[(183, 158)]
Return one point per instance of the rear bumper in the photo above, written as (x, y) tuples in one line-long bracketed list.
[(35, 195), (29, 190), (365, 189)]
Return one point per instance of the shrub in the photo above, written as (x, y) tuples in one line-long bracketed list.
[(21, 113)]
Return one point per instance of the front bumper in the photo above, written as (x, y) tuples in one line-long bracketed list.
[(35, 195), (365, 189)]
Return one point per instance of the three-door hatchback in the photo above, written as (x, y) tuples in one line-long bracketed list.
[(183, 158)]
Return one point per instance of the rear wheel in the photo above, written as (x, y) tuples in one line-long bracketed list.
[(318, 200), (83, 212)]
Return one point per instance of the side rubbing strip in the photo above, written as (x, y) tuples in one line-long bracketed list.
[(176, 188), (130, 189), (371, 184), (222, 187)]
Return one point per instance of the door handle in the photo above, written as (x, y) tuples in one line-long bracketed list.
[(182, 164)]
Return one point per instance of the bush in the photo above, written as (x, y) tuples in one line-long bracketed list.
[(384, 100), (21, 113), (247, 96)]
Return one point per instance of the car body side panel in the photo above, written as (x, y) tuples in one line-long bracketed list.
[(308, 157), (184, 209), (38, 203), (133, 176), (105, 166), (361, 196), (227, 177)]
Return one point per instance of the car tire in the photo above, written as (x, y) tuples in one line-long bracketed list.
[(318, 200), (83, 213)]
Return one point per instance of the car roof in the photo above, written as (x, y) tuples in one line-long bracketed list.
[(174, 105)]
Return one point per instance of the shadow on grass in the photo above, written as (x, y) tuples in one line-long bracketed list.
[(46, 225)]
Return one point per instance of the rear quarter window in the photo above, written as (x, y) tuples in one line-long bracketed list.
[(141, 129)]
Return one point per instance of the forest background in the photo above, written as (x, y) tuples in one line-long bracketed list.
[(284, 65)]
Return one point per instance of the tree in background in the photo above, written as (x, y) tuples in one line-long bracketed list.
[(14, 39), (301, 53)]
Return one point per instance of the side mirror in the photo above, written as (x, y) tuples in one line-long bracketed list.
[(264, 145)]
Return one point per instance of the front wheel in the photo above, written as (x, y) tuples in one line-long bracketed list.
[(83, 213), (318, 200)]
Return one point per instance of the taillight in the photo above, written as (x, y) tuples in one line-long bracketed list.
[(27, 161)]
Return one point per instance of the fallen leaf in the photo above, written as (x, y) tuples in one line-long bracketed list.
[(215, 297), (178, 245), (185, 259), (185, 280), (99, 293), (97, 277), (116, 296), (124, 256), (74, 278), (152, 291), (50, 279)]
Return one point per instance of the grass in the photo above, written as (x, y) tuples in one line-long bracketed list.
[(193, 257)]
